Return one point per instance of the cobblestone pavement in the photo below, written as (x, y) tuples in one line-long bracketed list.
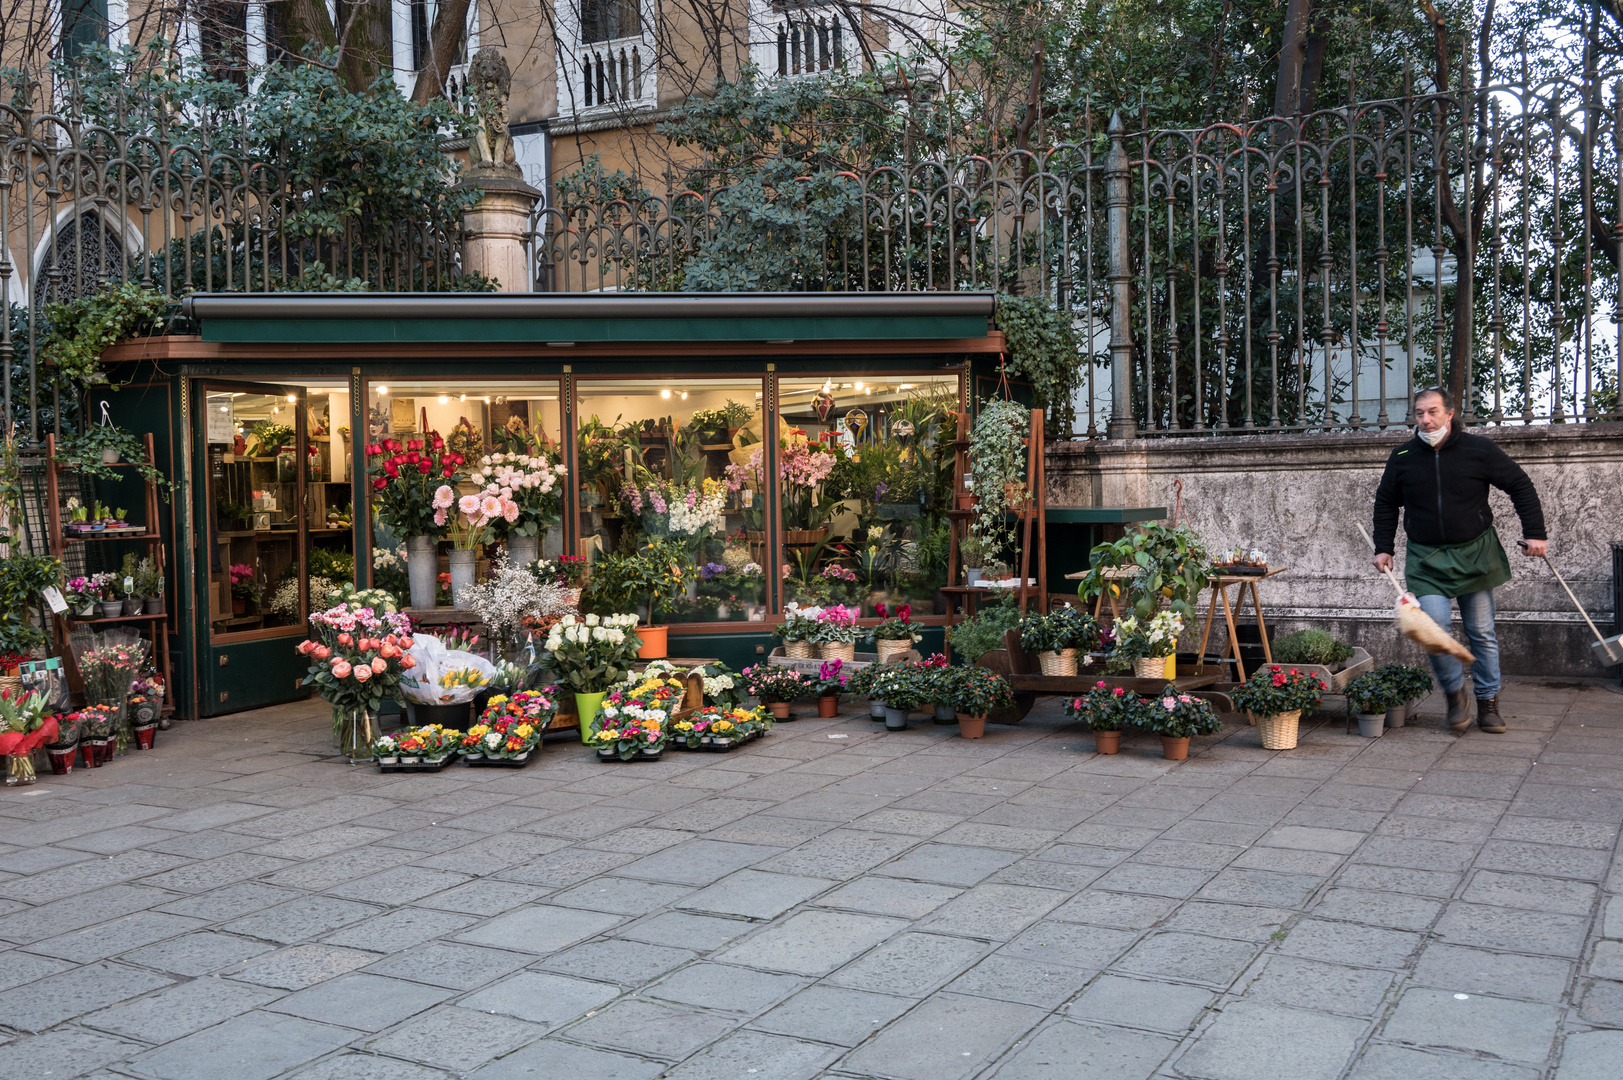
[(834, 900)]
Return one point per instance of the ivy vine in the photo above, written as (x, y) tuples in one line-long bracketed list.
[(79, 330), (1042, 350), (997, 457)]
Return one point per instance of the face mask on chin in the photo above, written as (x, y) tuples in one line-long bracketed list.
[(1433, 438)]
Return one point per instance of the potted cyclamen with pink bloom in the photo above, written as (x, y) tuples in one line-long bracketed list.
[(356, 659), (837, 633), (534, 484)]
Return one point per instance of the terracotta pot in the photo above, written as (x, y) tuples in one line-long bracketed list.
[(971, 727), (144, 734), (239, 607), (1107, 742), (655, 645), (779, 710), (828, 705), (1174, 749)]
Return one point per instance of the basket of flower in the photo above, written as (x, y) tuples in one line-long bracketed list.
[(837, 633), (422, 749), (1276, 697), (898, 633), (509, 729), (800, 630)]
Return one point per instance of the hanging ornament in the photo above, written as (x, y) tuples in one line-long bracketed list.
[(855, 421), (901, 429), (824, 404)]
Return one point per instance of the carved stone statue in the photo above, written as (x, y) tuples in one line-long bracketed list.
[(490, 150)]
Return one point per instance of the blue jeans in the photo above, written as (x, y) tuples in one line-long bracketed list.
[(1476, 612)]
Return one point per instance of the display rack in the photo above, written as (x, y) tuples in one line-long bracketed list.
[(154, 626), (1030, 519)]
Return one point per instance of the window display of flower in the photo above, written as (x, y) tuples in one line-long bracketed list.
[(534, 484), (591, 653), (775, 684), (243, 584), (898, 626), (285, 600), (408, 482)]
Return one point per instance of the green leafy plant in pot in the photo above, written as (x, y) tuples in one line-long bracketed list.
[(976, 693), (1058, 637), (1408, 683), (1107, 711), (1177, 718), (1368, 698)]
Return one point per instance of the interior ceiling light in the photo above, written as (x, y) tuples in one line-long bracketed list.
[(464, 397), (665, 393), (444, 399), (292, 397), (684, 395), (383, 390), (859, 386)]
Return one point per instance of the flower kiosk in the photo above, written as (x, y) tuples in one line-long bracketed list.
[(703, 460)]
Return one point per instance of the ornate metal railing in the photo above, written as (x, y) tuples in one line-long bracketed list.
[(1274, 275), (89, 203)]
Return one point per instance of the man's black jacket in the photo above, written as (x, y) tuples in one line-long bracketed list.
[(1444, 492)]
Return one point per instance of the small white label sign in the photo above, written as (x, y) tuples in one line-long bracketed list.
[(53, 596)]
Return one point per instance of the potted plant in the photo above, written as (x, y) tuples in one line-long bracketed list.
[(413, 488), (1151, 645), (830, 683), (902, 690), (509, 727), (99, 448), (938, 680), (145, 702), (837, 633), (776, 687), (96, 735), (977, 691), (1058, 637), (976, 554), (1368, 698), (1313, 646), (799, 630), (22, 713), (1177, 718), (860, 685), (61, 750), (1408, 684), (898, 633), (997, 455), (623, 734), (244, 588), (1106, 710), (591, 655), (1169, 566), (1275, 697)]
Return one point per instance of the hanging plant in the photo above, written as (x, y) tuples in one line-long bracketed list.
[(997, 455), (1042, 350), (79, 330)]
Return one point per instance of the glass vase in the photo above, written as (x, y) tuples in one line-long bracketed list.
[(354, 730)]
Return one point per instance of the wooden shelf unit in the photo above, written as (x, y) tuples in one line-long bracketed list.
[(155, 626)]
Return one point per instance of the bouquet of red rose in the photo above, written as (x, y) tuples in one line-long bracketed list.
[(407, 479)]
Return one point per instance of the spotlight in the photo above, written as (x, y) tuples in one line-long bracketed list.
[(292, 397), (444, 400), (684, 395), (665, 393), (383, 390)]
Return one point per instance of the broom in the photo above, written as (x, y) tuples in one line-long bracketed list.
[(1416, 625)]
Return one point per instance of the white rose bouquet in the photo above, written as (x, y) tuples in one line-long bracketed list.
[(591, 654)]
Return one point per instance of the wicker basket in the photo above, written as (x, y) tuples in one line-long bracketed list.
[(887, 649), (1279, 730), (14, 683), (837, 650), (800, 650), (1062, 662), (1153, 667)]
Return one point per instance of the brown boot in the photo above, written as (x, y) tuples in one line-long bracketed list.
[(1487, 716), (1459, 711)]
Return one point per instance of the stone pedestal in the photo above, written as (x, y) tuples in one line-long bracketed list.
[(493, 243)]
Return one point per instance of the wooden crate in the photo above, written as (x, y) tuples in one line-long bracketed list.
[(812, 665)]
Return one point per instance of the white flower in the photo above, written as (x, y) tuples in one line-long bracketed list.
[(592, 620)]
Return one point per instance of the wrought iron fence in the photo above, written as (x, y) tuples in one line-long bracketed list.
[(1274, 275), (89, 198)]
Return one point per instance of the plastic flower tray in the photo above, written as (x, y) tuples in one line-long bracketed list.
[(500, 763), (421, 766)]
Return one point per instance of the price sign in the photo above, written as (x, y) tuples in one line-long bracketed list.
[(53, 596)]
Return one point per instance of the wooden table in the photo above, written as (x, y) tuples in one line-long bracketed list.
[(1220, 595), (1111, 574)]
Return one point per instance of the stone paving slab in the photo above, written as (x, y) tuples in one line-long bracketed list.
[(891, 905)]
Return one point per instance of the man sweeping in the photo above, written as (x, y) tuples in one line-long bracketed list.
[(1441, 479)]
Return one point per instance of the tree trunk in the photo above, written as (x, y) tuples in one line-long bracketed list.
[(367, 43), (444, 42), (1288, 83)]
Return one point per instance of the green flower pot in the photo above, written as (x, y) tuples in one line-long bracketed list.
[(587, 705)]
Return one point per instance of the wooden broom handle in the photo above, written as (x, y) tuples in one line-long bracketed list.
[(1390, 576)]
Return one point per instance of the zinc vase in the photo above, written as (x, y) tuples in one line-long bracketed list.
[(587, 705), (422, 568), (463, 564), (523, 550)]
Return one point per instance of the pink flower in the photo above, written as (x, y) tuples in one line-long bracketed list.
[(363, 673), (439, 517), (1169, 703), (340, 669), (510, 511), (379, 666), (490, 506), (444, 497), (468, 505)]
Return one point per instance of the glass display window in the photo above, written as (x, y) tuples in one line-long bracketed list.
[(494, 425), (671, 515), (280, 503), (866, 464)]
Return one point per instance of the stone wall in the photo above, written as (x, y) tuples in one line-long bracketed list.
[(1301, 497)]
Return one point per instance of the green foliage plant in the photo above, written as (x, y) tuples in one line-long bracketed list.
[(1372, 692), (80, 330), (983, 632), (1042, 349), (976, 691), (82, 453), (1065, 627), (1408, 682), (997, 454), (1310, 647), (1169, 567)]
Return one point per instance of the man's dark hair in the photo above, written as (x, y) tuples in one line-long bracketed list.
[(1448, 399)]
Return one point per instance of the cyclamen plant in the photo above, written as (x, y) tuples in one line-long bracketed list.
[(837, 624), (831, 680), (897, 627)]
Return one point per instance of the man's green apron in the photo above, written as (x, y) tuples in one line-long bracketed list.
[(1456, 569)]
